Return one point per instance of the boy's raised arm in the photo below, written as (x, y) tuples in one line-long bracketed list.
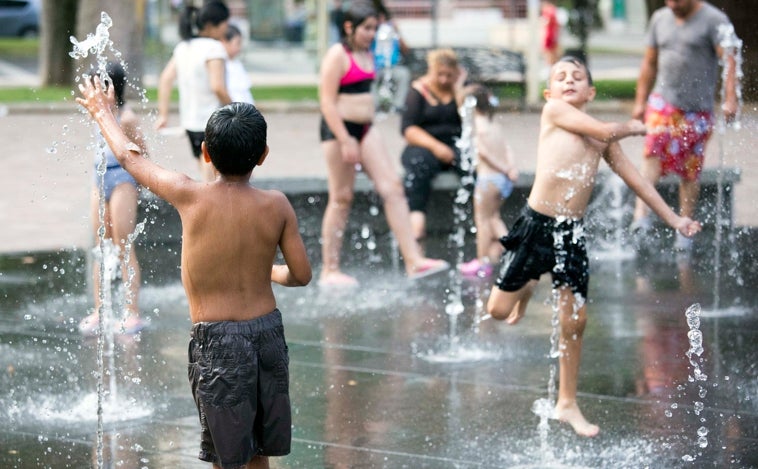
[(622, 166), (166, 184)]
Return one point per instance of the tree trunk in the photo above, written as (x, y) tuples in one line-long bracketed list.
[(58, 24), (127, 32)]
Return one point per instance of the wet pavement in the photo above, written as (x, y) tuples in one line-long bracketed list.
[(383, 377)]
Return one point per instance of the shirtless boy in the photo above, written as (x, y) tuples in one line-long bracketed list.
[(228, 250), (549, 237)]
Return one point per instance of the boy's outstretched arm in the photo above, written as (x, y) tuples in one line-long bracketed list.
[(574, 120), (297, 271), (168, 185), (621, 165)]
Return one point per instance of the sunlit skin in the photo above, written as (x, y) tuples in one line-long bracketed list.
[(571, 144)]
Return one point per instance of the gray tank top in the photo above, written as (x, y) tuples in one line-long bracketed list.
[(688, 67)]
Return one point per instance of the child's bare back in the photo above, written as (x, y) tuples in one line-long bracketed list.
[(230, 237)]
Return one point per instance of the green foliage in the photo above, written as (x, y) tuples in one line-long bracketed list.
[(62, 94), (606, 90), (11, 47), (51, 94), (615, 89)]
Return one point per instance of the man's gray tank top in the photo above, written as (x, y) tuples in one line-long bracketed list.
[(688, 67)]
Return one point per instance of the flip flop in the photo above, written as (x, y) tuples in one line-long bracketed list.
[(338, 280), (429, 267)]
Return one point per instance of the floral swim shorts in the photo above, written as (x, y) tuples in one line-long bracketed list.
[(676, 137)]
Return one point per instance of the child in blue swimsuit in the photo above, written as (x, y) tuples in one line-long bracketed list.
[(120, 214), (495, 175)]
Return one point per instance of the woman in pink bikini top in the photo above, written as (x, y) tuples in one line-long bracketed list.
[(349, 142)]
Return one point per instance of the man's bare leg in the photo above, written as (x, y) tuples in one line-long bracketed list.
[(689, 192), (650, 170)]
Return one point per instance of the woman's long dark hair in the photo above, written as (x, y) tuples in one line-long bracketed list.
[(358, 12), (193, 19)]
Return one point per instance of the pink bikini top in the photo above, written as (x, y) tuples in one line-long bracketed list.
[(356, 80)]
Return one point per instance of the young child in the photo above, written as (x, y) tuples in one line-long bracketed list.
[(228, 250), (120, 215), (237, 80), (549, 237), (495, 175)]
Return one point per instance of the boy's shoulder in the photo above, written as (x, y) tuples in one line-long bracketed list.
[(273, 196)]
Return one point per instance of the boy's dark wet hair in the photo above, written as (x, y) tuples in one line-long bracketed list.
[(193, 19), (483, 97), (576, 61), (232, 31), (235, 137), (356, 14)]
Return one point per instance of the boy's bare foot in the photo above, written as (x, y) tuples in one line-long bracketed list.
[(517, 313), (337, 280), (573, 416)]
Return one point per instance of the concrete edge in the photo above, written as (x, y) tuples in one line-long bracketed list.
[(447, 181)]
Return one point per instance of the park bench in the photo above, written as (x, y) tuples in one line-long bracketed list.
[(495, 67)]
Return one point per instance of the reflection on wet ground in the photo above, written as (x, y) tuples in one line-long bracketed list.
[(382, 376)]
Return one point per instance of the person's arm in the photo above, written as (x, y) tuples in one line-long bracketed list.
[(567, 117), (165, 85), (297, 270), (175, 188), (645, 81), (645, 190), (730, 106), (332, 69), (415, 134), (217, 79)]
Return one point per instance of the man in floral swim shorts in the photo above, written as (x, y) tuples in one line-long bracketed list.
[(676, 91)]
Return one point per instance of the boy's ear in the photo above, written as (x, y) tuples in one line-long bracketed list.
[(592, 93), (206, 155), (546, 93), (263, 156)]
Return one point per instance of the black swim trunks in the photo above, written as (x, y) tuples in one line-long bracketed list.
[(239, 376), (538, 244)]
